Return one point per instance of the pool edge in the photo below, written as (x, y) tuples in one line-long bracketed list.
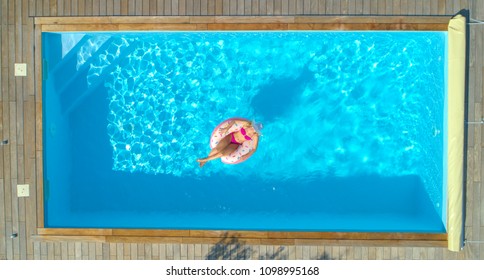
[(242, 237), (435, 23)]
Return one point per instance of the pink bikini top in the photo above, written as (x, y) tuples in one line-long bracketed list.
[(242, 130)]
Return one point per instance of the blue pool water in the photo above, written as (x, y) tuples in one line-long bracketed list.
[(353, 130)]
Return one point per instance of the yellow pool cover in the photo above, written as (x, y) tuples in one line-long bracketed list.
[(455, 141)]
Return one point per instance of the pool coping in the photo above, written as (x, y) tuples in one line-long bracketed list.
[(212, 23)]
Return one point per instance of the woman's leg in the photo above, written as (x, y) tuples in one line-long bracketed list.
[(216, 152), (222, 144), (227, 151)]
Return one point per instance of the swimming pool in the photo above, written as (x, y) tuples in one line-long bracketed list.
[(353, 139)]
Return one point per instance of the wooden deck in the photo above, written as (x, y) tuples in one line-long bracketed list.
[(20, 160)]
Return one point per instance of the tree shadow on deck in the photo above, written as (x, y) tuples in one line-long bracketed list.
[(230, 248)]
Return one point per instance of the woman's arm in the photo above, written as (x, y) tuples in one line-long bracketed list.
[(229, 125)]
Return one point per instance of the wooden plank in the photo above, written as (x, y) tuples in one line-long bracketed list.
[(31, 7), (190, 255), (278, 7), (112, 8), (359, 8), (147, 252), (112, 251), (188, 8), (8, 233), (126, 251), (138, 8), (292, 7), (210, 6), (53, 11), (64, 255), (284, 7), (68, 238), (92, 251), (174, 8), (146, 8), (96, 8), (184, 8), (252, 19), (138, 239), (30, 169), (74, 7), (75, 231), (39, 8), (44, 7), (117, 251), (50, 251), (103, 5), (160, 7), (57, 250), (112, 20), (3, 59), (123, 7), (3, 237), (117, 27), (433, 7), (90, 7), (372, 253), (146, 233), (336, 10), (81, 7), (230, 7), (396, 7), (43, 250), (38, 130), (299, 7), (426, 8), (63, 9), (351, 7), (167, 8), (381, 7), (217, 7), (196, 7), (358, 243), (4, 13), (411, 7), (270, 8), (197, 252), (176, 251), (363, 20), (39, 191), (240, 7), (97, 249), (7, 188), (36, 255), (449, 7), (11, 62), (366, 8), (131, 8), (201, 19), (419, 10), (373, 7)]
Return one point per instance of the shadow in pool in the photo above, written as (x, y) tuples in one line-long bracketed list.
[(275, 98)]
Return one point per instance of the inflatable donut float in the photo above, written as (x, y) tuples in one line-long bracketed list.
[(238, 155)]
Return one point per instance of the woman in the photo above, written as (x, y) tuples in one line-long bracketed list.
[(248, 131)]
